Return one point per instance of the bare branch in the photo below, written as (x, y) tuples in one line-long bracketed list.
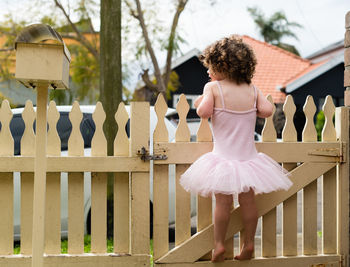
[(147, 81), (180, 7), (157, 73), (132, 11), (80, 36)]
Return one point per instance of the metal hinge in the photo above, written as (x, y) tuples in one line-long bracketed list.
[(146, 156), (332, 152)]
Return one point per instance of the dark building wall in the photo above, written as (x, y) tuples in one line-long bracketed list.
[(193, 76), (329, 83)]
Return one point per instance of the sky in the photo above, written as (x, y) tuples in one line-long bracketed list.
[(201, 24)]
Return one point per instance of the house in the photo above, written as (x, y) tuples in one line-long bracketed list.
[(325, 77), (277, 71)]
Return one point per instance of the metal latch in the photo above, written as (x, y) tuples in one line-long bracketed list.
[(146, 156)]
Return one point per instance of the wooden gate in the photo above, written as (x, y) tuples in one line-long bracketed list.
[(131, 177), (308, 161)]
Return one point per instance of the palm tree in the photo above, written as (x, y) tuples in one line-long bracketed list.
[(276, 27)]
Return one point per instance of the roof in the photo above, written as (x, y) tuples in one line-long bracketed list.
[(314, 71), (327, 51), (276, 67)]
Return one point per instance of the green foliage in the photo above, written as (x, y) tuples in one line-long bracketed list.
[(173, 84), (85, 73), (320, 120), (275, 28)]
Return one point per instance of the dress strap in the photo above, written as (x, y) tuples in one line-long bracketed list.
[(255, 96), (221, 95)]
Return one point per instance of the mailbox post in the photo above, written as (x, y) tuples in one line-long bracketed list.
[(42, 62)]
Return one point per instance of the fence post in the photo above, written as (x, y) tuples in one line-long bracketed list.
[(140, 181), (347, 118), (347, 60)]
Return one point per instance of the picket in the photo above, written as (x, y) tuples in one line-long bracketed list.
[(182, 198), (53, 187), (6, 182), (289, 222), (310, 191), (27, 180), (75, 186), (204, 204), (160, 187), (121, 186), (99, 186), (268, 233)]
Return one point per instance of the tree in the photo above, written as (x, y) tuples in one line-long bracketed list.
[(275, 28), (161, 79)]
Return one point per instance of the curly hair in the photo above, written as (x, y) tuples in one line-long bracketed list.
[(232, 58)]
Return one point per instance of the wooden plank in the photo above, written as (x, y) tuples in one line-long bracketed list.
[(269, 234), (329, 221), (76, 164), (6, 206), (140, 182), (121, 213), (310, 192), (38, 238), (300, 261), (6, 182), (200, 244), (98, 212), (290, 226), (160, 211), (310, 219), (204, 204), (27, 180), (121, 186), (75, 213), (160, 187), (99, 186), (290, 152), (65, 260), (204, 216), (75, 186), (53, 187), (342, 130), (112, 260), (182, 209), (53, 213), (268, 226), (27, 193)]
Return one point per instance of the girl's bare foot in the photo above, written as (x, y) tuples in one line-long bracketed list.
[(218, 254), (246, 252)]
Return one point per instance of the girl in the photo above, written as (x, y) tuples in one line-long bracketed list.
[(234, 166)]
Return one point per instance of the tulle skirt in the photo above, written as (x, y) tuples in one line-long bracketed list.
[(212, 173)]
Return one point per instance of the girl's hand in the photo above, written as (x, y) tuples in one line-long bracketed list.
[(198, 101)]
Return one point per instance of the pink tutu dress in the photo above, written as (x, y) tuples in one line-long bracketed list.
[(234, 165)]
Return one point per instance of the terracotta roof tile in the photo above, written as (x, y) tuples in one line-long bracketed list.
[(276, 68)]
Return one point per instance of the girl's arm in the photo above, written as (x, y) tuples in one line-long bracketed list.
[(264, 107), (206, 105), (198, 101)]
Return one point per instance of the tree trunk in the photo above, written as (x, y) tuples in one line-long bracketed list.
[(110, 71), (110, 65)]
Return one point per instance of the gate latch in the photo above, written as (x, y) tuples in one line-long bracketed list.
[(146, 156)]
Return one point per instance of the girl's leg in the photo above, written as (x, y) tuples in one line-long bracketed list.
[(221, 220), (249, 215)]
